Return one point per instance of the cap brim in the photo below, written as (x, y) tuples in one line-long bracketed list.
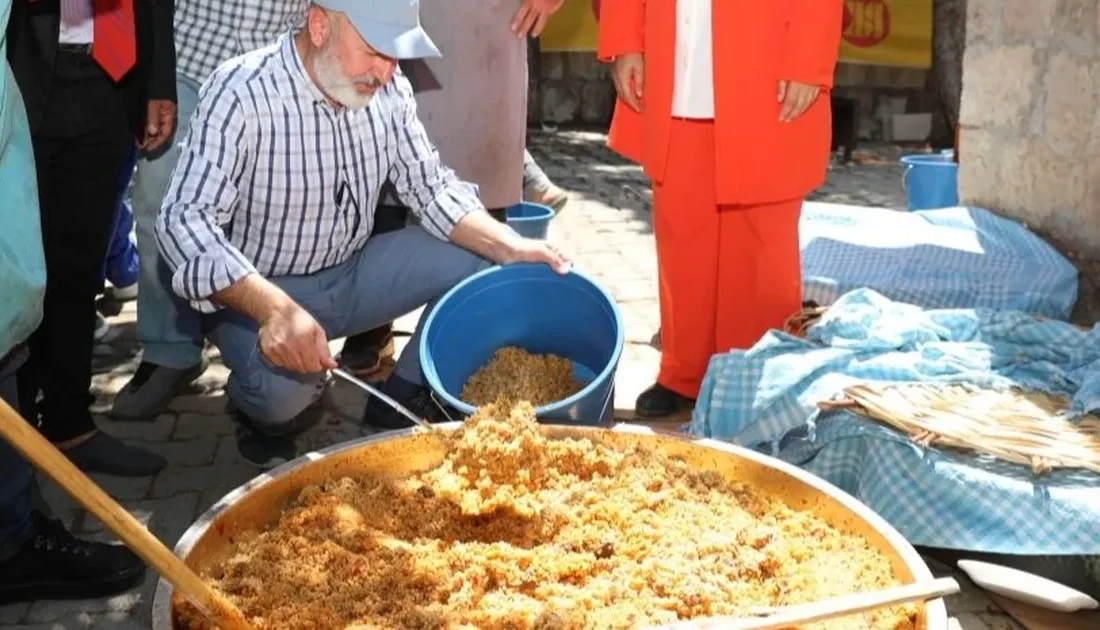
[(398, 42)]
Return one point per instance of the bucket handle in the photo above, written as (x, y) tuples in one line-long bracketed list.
[(442, 407), (905, 177)]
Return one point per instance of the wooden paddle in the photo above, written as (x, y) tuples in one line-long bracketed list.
[(800, 614), (45, 456)]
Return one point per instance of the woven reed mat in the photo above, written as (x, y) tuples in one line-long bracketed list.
[(801, 321), (1023, 427)]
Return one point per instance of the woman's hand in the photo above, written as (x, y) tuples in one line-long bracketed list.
[(796, 99)]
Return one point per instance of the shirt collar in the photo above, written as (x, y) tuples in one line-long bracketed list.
[(297, 69)]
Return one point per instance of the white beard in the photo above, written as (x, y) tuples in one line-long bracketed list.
[(332, 81)]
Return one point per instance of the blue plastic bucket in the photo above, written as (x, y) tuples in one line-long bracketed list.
[(531, 307), (530, 219), (931, 181)]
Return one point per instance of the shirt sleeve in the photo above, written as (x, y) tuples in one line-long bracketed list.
[(202, 198), (433, 192)]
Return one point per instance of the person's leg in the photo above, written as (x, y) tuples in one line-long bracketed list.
[(686, 227), (39, 558), (409, 267), (16, 504), (412, 269), (363, 353), (169, 331), (760, 265), (121, 265), (80, 152), (537, 187)]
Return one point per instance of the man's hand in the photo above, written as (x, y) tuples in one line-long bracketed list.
[(796, 99), (160, 123), (292, 339), (489, 238), (628, 73), (289, 336), (532, 17), (532, 251)]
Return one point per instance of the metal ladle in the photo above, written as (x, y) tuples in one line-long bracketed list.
[(374, 391)]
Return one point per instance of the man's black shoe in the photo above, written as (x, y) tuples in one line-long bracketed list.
[(416, 398), (54, 564)]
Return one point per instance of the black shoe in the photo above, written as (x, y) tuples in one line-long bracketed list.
[(152, 389), (658, 402), (54, 564), (364, 353), (416, 398)]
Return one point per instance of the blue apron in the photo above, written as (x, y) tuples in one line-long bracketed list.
[(22, 265)]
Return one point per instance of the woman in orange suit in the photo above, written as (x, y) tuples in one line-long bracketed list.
[(725, 106)]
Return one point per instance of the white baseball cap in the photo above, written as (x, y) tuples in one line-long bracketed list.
[(392, 27)]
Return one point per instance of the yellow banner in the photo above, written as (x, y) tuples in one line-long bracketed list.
[(571, 29), (888, 33), (879, 32)]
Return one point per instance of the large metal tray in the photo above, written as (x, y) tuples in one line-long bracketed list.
[(259, 502)]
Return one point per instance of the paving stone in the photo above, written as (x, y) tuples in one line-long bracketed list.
[(156, 430), (227, 452), (166, 518), (13, 613), (197, 452), (970, 621), (218, 479), (212, 405), (124, 488), (190, 425)]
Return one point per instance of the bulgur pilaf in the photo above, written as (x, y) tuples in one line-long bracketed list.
[(517, 531), (517, 374)]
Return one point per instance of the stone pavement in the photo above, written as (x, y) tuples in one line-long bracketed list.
[(607, 229)]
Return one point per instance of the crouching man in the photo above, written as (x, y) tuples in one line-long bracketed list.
[(266, 222)]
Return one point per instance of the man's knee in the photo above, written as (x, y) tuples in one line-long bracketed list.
[(273, 400)]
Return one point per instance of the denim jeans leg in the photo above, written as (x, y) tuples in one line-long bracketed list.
[(16, 498), (169, 330), (121, 255)]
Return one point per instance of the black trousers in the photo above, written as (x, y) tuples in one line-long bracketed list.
[(80, 150)]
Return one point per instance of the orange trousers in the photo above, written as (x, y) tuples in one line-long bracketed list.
[(727, 274)]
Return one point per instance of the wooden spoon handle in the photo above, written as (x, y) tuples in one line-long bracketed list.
[(800, 614), (45, 456)]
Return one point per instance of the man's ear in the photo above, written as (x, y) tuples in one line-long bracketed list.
[(318, 25)]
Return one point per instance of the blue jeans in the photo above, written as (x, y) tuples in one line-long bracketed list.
[(121, 266), (16, 498), (395, 273), (168, 329)]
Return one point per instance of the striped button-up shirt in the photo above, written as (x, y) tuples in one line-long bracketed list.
[(209, 32), (274, 180)]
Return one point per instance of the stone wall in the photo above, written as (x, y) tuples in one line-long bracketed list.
[(571, 87), (1030, 137)]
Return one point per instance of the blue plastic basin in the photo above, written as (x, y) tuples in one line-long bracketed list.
[(931, 181), (530, 219), (531, 307)]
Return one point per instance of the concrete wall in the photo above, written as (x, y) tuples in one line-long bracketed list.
[(1030, 138)]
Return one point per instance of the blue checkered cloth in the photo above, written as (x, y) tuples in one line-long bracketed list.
[(949, 258), (766, 398)]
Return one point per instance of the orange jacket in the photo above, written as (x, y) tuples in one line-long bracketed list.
[(756, 44)]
